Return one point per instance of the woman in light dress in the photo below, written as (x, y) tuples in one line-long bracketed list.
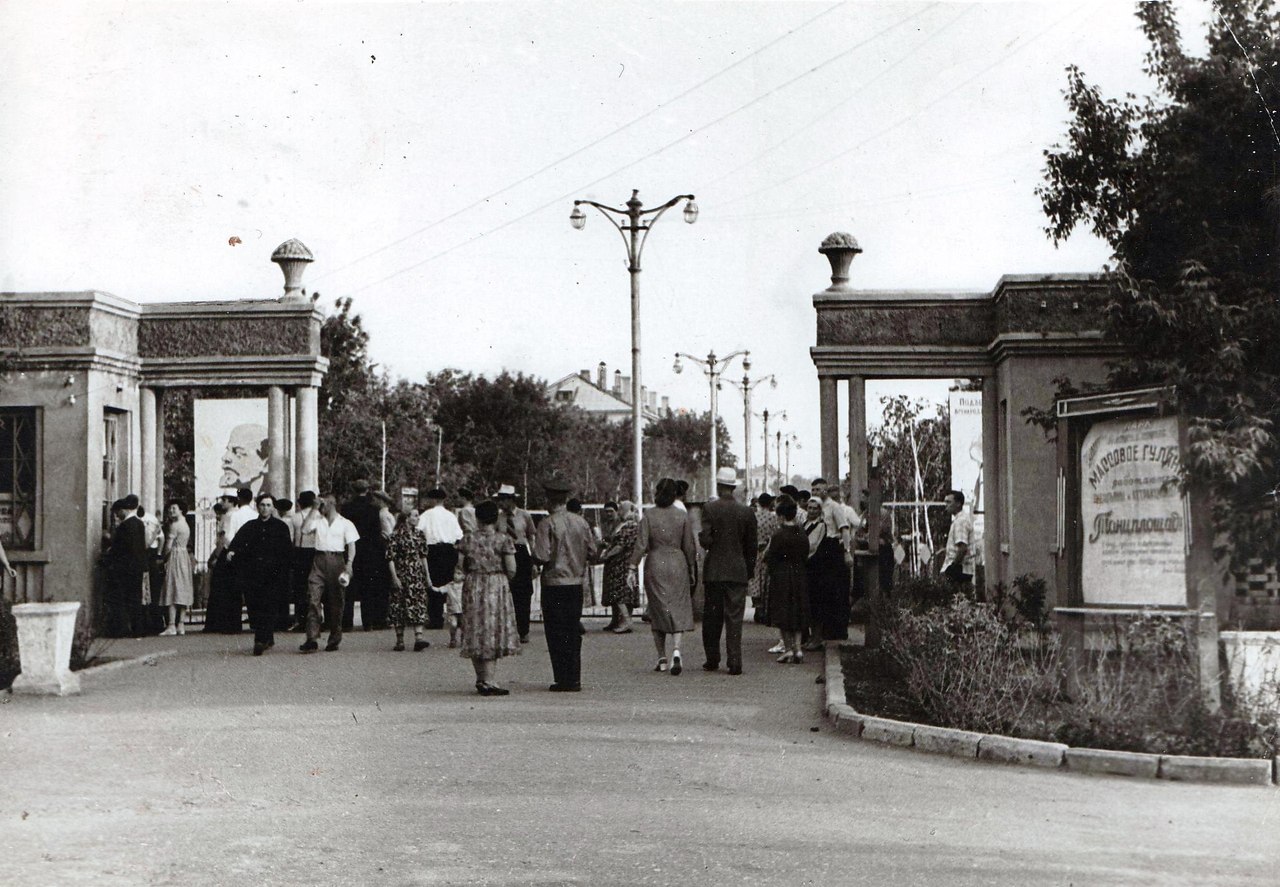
[(179, 587), (488, 613), (665, 543)]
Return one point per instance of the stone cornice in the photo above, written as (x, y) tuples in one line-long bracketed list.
[(237, 370)]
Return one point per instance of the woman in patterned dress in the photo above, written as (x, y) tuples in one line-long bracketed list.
[(620, 594), (758, 587), (670, 555), (407, 566), (488, 613)]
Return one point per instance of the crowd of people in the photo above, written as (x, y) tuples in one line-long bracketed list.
[(471, 569)]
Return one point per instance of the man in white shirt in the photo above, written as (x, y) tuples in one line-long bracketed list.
[(335, 538), (442, 532), (958, 566), (243, 513)]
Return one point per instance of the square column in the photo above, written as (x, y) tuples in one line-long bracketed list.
[(829, 427), (150, 449), (992, 504), (857, 439), (277, 450), (306, 450)]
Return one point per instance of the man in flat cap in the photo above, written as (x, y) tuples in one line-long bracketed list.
[(564, 545), (125, 563)]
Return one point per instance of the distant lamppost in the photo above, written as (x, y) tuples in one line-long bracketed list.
[(713, 366), (746, 386), (788, 441), (778, 456), (630, 222)]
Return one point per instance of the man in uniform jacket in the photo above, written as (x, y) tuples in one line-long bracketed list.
[(565, 547), (262, 552), (729, 536), (126, 563)]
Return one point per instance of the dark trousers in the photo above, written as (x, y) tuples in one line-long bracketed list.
[(435, 608), (723, 609), (562, 620), (302, 558), (123, 603), (323, 589), (373, 588), (261, 590), (522, 589)]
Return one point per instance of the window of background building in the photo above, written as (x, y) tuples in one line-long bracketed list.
[(19, 475)]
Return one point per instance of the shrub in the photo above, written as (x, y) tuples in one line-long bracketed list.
[(10, 663), (960, 664), (1143, 694)]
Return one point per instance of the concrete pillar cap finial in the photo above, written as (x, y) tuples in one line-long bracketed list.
[(839, 248), (292, 256)]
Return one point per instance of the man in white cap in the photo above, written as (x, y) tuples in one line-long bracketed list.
[(517, 523), (729, 537)]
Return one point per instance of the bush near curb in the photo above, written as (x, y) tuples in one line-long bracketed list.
[(950, 661)]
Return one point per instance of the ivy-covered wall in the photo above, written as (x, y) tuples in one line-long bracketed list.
[(236, 336)]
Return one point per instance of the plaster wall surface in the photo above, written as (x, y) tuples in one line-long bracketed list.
[(1028, 471)]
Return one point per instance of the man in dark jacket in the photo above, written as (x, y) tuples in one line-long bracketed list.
[(126, 563), (729, 537), (262, 553), (370, 582)]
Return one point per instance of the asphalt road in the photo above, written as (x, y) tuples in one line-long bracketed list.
[(366, 766)]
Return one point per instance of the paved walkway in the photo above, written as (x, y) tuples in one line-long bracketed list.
[(371, 767)]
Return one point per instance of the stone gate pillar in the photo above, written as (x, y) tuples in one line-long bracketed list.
[(830, 428), (307, 453), (277, 447)]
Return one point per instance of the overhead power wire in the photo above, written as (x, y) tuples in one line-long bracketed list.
[(904, 120), (537, 172), (626, 166), (854, 93)]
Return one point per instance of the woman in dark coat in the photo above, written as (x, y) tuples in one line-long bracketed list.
[(787, 560), (828, 579)]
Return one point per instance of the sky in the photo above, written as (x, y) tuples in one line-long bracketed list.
[(428, 154)]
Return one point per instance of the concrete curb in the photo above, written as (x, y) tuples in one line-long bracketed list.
[(146, 659), (1033, 752), (1116, 763), (1238, 771)]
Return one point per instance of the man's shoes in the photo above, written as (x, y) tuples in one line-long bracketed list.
[(623, 629), (419, 646), (565, 688), (524, 639), (259, 649), (735, 669), (710, 666), (331, 647), (398, 648), (308, 647)]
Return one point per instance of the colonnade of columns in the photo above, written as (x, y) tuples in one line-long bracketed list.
[(995, 533), (305, 442)]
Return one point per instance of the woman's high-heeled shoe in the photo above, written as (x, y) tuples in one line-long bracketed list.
[(786, 658), (676, 666), (661, 666)]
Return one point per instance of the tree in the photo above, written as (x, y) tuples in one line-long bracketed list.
[(914, 444), (351, 403), (1185, 187), (679, 445)]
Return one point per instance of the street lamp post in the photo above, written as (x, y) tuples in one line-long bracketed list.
[(746, 386), (713, 366), (631, 222), (777, 453), (791, 438)]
